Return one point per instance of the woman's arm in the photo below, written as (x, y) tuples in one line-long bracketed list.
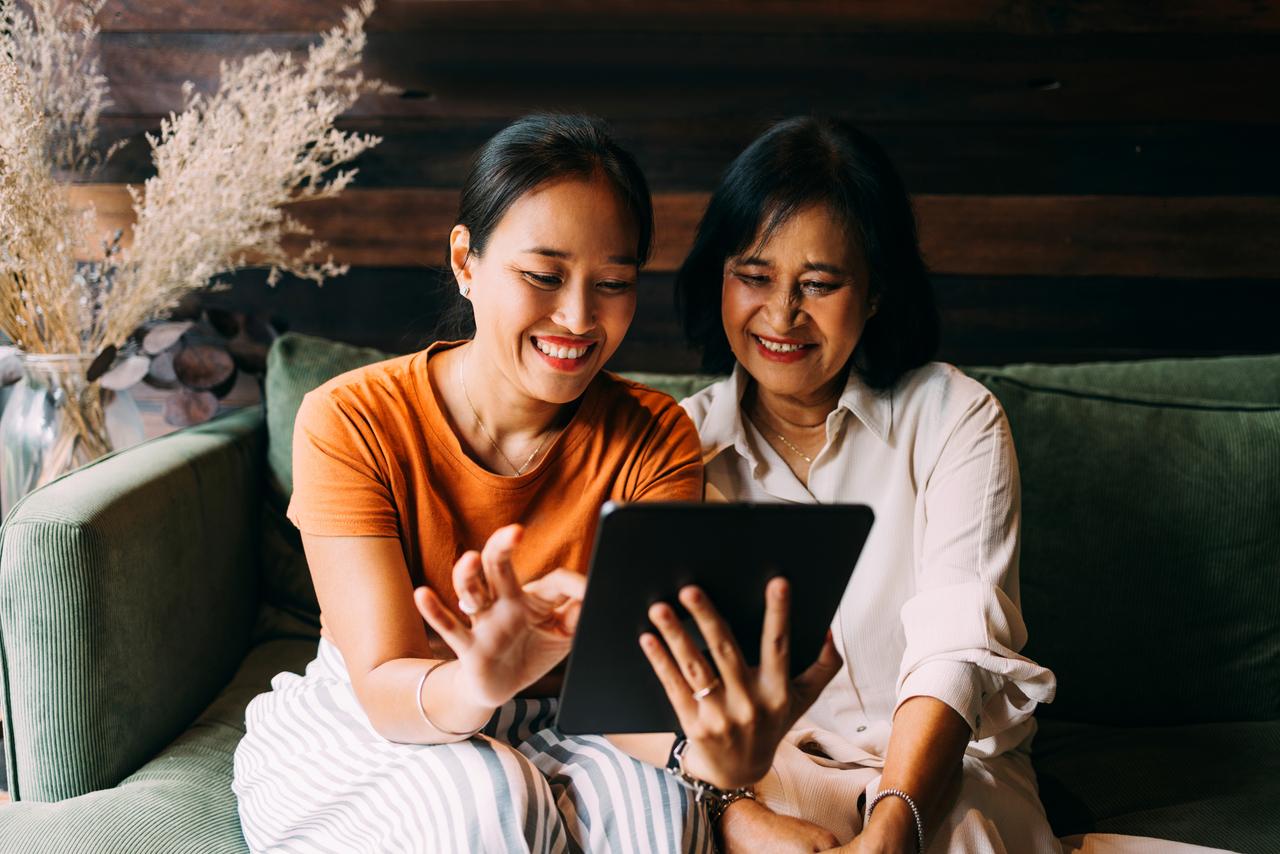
[(366, 597), (925, 752), (515, 637)]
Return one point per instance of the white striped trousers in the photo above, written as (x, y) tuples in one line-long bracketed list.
[(312, 775)]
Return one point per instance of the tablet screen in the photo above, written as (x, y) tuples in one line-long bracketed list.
[(646, 552)]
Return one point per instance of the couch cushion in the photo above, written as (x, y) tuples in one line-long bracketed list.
[(1210, 784), (1242, 379), (1151, 552), (179, 801)]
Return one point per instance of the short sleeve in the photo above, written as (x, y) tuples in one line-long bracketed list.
[(964, 625), (338, 485), (669, 463)]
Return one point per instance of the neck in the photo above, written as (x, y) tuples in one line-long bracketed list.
[(804, 411), (504, 409)]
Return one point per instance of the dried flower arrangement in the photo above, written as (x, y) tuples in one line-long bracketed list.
[(226, 168)]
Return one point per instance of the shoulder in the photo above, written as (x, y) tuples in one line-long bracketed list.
[(699, 405), (635, 400), (364, 393), (942, 395), (640, 417), (941, 411)]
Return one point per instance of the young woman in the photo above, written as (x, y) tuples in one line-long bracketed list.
[(409, 473), (806, 279)]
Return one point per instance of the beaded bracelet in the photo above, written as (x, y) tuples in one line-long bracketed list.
[(898, 793)]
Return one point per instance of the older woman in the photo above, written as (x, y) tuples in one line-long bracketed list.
[(806, 279)]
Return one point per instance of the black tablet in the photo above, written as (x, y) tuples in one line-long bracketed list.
[(646, 552)]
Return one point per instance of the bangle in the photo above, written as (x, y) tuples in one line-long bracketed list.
[(898, 793), (422, 710)]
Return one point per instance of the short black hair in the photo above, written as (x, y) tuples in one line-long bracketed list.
[(523, 156), (796, 163)]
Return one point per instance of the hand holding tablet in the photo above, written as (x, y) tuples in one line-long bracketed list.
[(741, 714), (647, 554)]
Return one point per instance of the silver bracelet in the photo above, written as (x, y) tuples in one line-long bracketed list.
[(422, 710), (898, 793)]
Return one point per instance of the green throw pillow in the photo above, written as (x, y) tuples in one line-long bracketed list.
[(296, 365)]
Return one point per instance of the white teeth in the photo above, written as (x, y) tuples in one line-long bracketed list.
[(561, 352), (778, 348)]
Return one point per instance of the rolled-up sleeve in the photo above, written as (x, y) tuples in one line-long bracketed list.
[(963, 626)]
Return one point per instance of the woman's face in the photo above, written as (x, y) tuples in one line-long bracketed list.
[(795, 306), (555, 289)]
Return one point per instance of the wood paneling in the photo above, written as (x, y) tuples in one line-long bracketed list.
[(1010, 16), (1194, 237), (1092, 180), (689, 76), (968, 158), (986, 320)]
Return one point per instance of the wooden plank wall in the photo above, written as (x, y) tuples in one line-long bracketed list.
[(1092, 180)]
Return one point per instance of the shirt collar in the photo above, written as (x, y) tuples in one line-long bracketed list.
[(723, 427)]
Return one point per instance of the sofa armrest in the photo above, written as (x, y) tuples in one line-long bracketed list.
[(128, 592)]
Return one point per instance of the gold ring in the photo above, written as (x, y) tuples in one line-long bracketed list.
[(702, 693)]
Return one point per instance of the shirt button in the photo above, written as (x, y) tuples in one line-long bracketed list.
[(862, 728)]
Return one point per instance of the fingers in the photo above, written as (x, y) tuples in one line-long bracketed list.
[(775, 638), (558, 585), (673, 681), (559, 594), (692, 666), (470, 585), (809, 685), (720, 641), (496, 559), (440, 618)]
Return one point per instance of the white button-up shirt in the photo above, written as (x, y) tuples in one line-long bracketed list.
[(932, 608)]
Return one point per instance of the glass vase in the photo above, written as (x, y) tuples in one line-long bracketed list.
[(57, 420)]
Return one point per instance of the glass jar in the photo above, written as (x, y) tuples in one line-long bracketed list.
[(56, 421)]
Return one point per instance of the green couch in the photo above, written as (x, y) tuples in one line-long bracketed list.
[(147, 597)]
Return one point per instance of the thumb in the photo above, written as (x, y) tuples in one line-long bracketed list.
[(809, 684)]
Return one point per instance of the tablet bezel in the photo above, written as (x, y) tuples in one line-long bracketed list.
[(645, 552)]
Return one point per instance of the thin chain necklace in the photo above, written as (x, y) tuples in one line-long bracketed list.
[(519, 470), (760, 415), (808, 459)]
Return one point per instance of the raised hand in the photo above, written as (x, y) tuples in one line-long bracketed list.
[(516, 634), (735, 722)]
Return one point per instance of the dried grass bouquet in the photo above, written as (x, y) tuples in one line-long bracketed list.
[(227, 167)]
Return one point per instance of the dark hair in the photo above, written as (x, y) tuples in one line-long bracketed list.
[(522, 157), (796, 163)]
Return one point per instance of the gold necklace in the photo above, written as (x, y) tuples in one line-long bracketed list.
[(519, 470), (759, 417), (808, 459)]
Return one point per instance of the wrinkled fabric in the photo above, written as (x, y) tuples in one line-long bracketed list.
[(932, 608)]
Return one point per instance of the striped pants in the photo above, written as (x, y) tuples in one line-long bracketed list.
[(311, 775)]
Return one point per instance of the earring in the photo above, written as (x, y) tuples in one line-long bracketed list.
[(464, 289)]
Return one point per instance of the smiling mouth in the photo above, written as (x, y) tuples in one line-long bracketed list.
[(781, 347), (562, 350)]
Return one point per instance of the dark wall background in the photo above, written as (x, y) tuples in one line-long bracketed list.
[(1091, 182)]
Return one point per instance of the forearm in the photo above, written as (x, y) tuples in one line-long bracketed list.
[(650, 747), (925, 750), (387, 695)]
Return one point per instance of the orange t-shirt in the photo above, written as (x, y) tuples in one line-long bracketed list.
[(374, 455)]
